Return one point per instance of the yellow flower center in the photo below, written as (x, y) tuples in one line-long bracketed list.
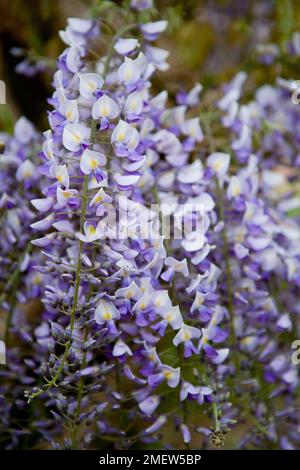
[(37, 280), (69, 115), (91, 86), (107, 316), (236, 191), (169, 317), (205, 339), (246, 341), (186, 336), (217, 166), (92, 230), (104, 110), (77, 137), (133, 105), (121, 136), (93, 163), (128, 74)]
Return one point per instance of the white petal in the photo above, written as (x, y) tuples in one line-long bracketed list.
[(69, 109), (125, 46), (74, 135), (73, 60), (61, 174), (89, 83), (106, 311), (134, 103), (90, 160), (121, 348), (193, 241), (100, 197), (80, 25), (149, 405), (105, 107), (191, 173), (219, 162), (26, 170), (171, 375), (192, 128), (126, 180), (43, 204), (186, 333), (259, 243), (128, 71), (222, 354)]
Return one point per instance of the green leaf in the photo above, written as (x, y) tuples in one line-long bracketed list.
[(294, 212)]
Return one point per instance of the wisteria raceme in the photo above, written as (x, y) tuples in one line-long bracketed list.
[(19, 174), (164, 259), (106, 140), (21, 289), (265, 243)]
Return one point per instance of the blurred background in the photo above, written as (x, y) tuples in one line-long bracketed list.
[(209, 40)]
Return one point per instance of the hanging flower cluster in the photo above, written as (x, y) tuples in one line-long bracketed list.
[(262, 246), (24, 325), (159, 251)]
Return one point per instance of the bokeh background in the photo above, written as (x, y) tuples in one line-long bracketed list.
[(209, 40)]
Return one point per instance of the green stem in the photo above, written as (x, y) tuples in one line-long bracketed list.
[(81, 382), (184, 408), (110, 52), (79, 397), (68, 345), (233, 339), (174, 299), (230, 303)]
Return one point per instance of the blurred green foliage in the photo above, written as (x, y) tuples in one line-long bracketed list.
[(209, 40)]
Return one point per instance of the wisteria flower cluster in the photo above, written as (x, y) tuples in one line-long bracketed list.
[(22, 348), (159, 242)]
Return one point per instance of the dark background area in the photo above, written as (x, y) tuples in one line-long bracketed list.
[(210, 40)]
